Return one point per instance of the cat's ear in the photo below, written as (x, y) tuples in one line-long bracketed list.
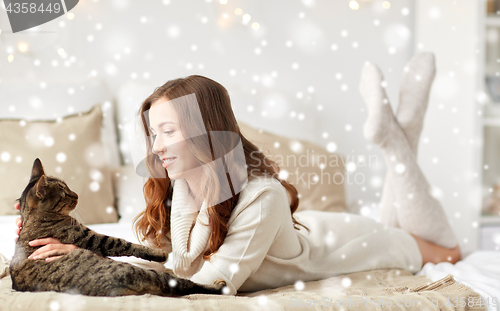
[(37, 169), (40, 187)]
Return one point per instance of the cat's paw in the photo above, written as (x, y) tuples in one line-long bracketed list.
[(162, 256), (219, 283), (170, 271), (158, 255)]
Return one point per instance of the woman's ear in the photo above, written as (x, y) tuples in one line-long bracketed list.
[(40, 187)]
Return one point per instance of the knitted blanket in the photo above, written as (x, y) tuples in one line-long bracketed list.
[(382, 289)]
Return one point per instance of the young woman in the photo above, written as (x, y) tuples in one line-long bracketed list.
[(253, 238)]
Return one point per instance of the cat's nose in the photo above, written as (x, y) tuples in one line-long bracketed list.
[(73, 194)]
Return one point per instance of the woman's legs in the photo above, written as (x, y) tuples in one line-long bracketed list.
[(413, 99), (420, 213)]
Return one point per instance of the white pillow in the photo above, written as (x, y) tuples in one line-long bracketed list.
[(129, 196)]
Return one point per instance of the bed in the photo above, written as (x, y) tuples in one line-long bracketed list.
[(104, 120), (475, 280)]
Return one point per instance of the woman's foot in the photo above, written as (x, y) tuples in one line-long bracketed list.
[(414, 95), (380, 117)]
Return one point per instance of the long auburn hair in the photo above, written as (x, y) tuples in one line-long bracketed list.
[(215, 106)]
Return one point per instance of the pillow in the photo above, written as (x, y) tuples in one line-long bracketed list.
[(128, 189), (54, 98), (301, 165), (70, 148)]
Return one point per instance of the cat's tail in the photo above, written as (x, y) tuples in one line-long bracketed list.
[(150, 281), (175, 286)]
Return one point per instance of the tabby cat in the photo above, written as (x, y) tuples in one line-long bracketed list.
[(45, 205)]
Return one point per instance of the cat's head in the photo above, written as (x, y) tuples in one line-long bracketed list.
[(46, 193)]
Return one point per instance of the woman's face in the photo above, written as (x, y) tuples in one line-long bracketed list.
[(168, 141)]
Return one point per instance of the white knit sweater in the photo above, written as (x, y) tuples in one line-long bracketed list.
[(262, 249)]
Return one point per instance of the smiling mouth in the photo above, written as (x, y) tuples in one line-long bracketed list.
[(167, 161)]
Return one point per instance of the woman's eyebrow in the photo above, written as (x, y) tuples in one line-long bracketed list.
[(162, 124)]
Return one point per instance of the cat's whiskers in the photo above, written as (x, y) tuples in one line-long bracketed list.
[(77, 215), (80, 218)]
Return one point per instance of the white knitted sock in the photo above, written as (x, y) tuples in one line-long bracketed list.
[(419, 213), (414, 95), (413, 99), (379, 109)]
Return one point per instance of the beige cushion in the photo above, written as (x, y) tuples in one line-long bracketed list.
[(70, 149), (319, 189), (31, 101)]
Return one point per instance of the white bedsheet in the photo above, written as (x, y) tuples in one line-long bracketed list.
[(7, 227), (480, 270)]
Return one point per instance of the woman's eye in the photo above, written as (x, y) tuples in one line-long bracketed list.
[(153, 137)]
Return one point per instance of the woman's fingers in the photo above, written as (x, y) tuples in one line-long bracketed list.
[(51, 250), (17, 206), (52, 258), (19, 224), (44, 241), (50, 244)]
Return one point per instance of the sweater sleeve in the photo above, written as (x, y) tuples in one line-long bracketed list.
[(189, 231), (190, 236), (248, 240), (146, 264)]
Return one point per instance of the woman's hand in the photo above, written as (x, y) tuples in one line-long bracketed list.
[(52, 250), (19, 224)]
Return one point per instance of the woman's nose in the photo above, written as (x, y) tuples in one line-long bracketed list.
[(156, 147)]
